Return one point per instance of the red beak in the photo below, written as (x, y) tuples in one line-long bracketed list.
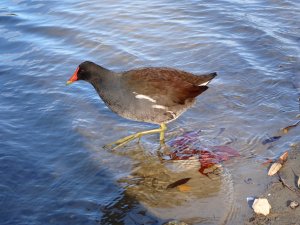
[(74, 77)]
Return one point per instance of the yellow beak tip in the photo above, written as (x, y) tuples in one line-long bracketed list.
[(69, 82)]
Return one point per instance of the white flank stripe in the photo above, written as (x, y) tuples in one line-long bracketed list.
[(158, 107), (145, 97)]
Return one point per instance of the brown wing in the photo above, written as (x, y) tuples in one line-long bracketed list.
[(165, 72), (166, 86), (191, 78)]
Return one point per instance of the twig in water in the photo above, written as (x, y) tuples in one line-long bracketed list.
[(286, 185)]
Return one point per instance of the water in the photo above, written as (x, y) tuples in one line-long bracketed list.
[(53, 167)]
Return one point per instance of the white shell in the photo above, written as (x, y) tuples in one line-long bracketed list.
[(274, 168), (294, 204)]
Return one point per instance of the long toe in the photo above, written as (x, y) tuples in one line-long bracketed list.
[(123, 141)]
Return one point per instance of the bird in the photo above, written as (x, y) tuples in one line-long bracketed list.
[(156, 95)]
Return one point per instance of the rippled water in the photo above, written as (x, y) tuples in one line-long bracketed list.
[(53, 167)]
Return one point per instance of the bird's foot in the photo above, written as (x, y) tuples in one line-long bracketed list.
[(163, 152), (122, 141), (165, 149)]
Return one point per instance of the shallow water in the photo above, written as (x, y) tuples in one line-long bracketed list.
[(53, 167)]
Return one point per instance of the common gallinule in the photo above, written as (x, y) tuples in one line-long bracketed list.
[(156, 95)]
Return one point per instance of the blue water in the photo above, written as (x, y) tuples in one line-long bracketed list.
[(53, 167)]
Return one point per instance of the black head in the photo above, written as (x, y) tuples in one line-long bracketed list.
[(84, 71)]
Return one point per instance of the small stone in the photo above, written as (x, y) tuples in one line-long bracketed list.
[(261, 206), (294, 204)]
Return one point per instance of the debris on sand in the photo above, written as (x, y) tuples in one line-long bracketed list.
[(276, 166), (270, 140), (178, 182), (188, 147), (288, 128)]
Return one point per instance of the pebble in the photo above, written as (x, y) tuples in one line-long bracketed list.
[(261, 206), (294, 204)]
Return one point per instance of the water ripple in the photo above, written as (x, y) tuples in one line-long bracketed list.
[(52, 136)]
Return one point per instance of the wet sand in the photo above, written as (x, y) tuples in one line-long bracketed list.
[(280, 196)]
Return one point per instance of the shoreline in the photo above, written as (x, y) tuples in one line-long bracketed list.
[(280, 196)]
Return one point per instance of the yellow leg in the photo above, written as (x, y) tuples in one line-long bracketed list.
[(163, 127), (129, 138)]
